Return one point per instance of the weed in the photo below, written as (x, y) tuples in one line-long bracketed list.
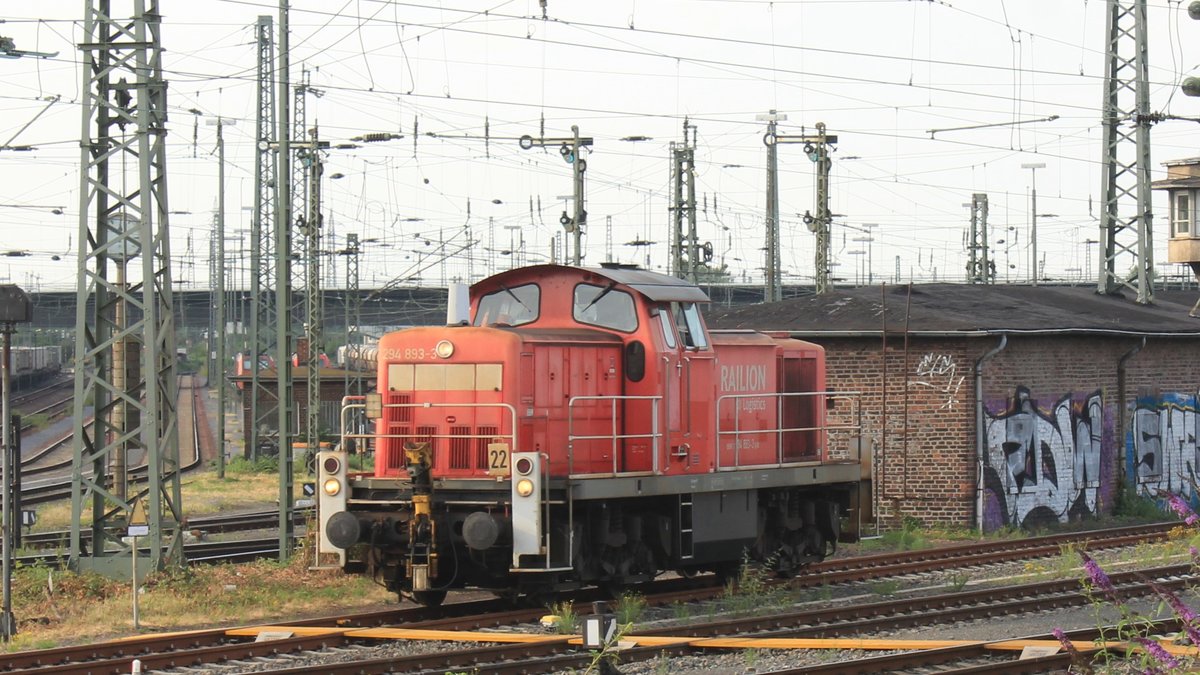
[(361, 462), (959, 581), (750, 657), (886, 587), (908, 538), (630, 607), (662, 664), (1137, 507), (567, 618), (241, 465), (1067, 563), (681, 611), (752, 589)]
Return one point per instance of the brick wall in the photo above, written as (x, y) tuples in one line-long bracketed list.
[(919, 425), (1055, 432), (1161, 431)]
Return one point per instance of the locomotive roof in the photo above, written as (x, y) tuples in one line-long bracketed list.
[(656, 287)]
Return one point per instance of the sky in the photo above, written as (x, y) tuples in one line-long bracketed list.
[(460, 199)]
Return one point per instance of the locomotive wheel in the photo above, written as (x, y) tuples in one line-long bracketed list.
[(429, 598)]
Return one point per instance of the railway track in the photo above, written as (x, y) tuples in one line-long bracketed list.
[(55, 489), (22, 400), (555, 654), (240, 522)]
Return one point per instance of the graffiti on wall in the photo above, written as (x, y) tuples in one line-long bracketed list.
[(939, 372), (1162, 452), (1046, 463)]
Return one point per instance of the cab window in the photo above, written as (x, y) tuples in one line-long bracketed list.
[(604, 306), (664, 320), (689, 325), (509, 306)]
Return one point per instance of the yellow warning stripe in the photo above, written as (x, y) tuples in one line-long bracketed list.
[(663, 641), (451, 635), (817, 643), (297, 631)]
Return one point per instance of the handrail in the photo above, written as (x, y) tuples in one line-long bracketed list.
[(512, 437), (655, 433), (778, 431)]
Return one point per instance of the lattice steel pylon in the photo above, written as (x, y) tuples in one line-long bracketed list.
[(283, 290), (980, 268), (122, 220), (1125, 217), (352, 304), (300, 158), (685, 261), (264, 403), (313, 325)]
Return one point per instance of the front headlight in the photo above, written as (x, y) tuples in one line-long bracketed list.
[(332, 486), (444, 349), (524, 487)]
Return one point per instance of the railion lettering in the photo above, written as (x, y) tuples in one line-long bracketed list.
[(743, 378)]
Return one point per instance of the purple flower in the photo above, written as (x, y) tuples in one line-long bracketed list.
[(1079, 664), (1195, 552), (1187, 616), (1066, 641), (1097, 576), (1156, 650), (1180, 507)]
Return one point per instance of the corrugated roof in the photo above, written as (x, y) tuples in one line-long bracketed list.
[(961, 308)]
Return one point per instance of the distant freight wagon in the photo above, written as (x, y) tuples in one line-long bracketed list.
[(30, 364)]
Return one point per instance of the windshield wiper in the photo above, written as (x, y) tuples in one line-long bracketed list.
[(508, 290), (599, 295)]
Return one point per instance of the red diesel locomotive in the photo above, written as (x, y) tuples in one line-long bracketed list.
[(586, 428)]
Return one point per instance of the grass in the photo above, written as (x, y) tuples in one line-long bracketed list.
[(203, 494), (55, 607), (36, 420)]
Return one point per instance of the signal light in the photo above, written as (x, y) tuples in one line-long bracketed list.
[(524, 487), (524, 466), (331, 465), (332, 486)]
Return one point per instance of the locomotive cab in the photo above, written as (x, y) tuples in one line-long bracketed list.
[(585, 428)]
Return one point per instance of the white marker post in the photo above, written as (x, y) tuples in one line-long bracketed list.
[(136, 531)]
